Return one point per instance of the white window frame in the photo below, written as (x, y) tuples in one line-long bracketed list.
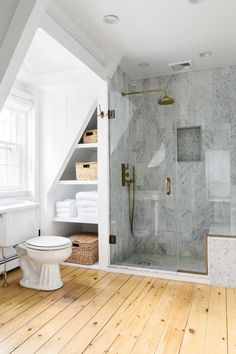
[(21, 185), (23, 103)]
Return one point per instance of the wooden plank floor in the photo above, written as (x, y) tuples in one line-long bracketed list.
[(100, 312)]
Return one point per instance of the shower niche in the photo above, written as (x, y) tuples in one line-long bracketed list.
[(189, 144)]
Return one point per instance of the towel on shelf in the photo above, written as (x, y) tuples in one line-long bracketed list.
[(92, 195), (65, 203), (87, 210), (65, 215), (66, 208), (86, 204)]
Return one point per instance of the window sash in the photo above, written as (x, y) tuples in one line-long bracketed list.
[(12, 162), (13, 143)]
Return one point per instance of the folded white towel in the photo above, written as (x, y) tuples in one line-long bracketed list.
[(63, 209), (65, 203), (87, 203), (93, 195), (65, 215), (87, 210), (66, 208)]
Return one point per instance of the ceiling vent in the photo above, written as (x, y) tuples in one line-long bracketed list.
[(181, 67)]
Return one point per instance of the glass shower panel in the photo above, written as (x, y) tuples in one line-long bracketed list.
[(191, 191), (143, 137), (191, 141)]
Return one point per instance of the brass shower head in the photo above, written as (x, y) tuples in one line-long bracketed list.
[(166, 100)]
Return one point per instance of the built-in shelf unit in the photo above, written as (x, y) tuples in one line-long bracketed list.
[(75, 182), (76, 220), (68, 185), (87, 146)]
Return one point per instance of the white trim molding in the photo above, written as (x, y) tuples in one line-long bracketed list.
[(103, 64), (17, 40), (65, 32)]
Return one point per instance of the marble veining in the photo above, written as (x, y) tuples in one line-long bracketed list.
[(222, 261), (189, 144), (145, 135)]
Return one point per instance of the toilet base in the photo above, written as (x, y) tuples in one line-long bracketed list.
[(26, 284), (40, 266), (49, 279)]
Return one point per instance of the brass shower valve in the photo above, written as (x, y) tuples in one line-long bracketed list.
[(124, 174), (125, 180)]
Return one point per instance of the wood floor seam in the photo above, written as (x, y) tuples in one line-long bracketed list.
[(99, 280), (101, 308), (102, 312), (54, 303)]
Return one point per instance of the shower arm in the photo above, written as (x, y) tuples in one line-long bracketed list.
[(140, 92)]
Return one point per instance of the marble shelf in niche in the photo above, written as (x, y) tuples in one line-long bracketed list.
[(189, 144)]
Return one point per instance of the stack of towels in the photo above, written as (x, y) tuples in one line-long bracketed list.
[(66, 208), (87, 205)]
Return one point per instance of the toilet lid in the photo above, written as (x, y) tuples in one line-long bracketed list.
[(48, 242)]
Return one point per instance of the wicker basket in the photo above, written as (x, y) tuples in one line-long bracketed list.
[(84, 248), (86, 171), (90, 136)]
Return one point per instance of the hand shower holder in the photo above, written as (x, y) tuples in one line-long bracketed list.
[(125, 180)]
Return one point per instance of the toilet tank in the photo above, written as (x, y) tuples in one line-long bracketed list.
[(18, 222)]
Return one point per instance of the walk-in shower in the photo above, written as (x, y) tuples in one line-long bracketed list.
[(183, 155), (128, 181)]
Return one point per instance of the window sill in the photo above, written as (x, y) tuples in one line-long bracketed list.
[(15, 194)]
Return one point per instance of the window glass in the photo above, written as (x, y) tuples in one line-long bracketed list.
[(13, 147)]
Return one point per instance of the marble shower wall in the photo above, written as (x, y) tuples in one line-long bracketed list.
[(206, 191), (203, 192)]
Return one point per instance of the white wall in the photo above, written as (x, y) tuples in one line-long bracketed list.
[(64, 112)]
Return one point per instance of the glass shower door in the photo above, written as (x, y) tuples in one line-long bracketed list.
[(143, 213)]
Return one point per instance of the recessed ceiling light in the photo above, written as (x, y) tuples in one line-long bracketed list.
[(196, 1), (111, 19), (205, 54), (143, 65)]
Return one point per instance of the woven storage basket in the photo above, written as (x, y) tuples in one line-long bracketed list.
[(84, 248), (86, 171), (90, 136)]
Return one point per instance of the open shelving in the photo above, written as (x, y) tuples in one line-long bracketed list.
[(75, 220), (87, 146), (68, 186), (76, 182)]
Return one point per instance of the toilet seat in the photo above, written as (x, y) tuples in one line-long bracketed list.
[(48, 243)]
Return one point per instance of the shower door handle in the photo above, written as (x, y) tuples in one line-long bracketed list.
[(168, 189)]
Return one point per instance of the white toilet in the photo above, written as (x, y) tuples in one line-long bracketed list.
[(39, 256), (39, 259)]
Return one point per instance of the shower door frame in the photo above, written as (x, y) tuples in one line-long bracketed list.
[(175, 232)]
